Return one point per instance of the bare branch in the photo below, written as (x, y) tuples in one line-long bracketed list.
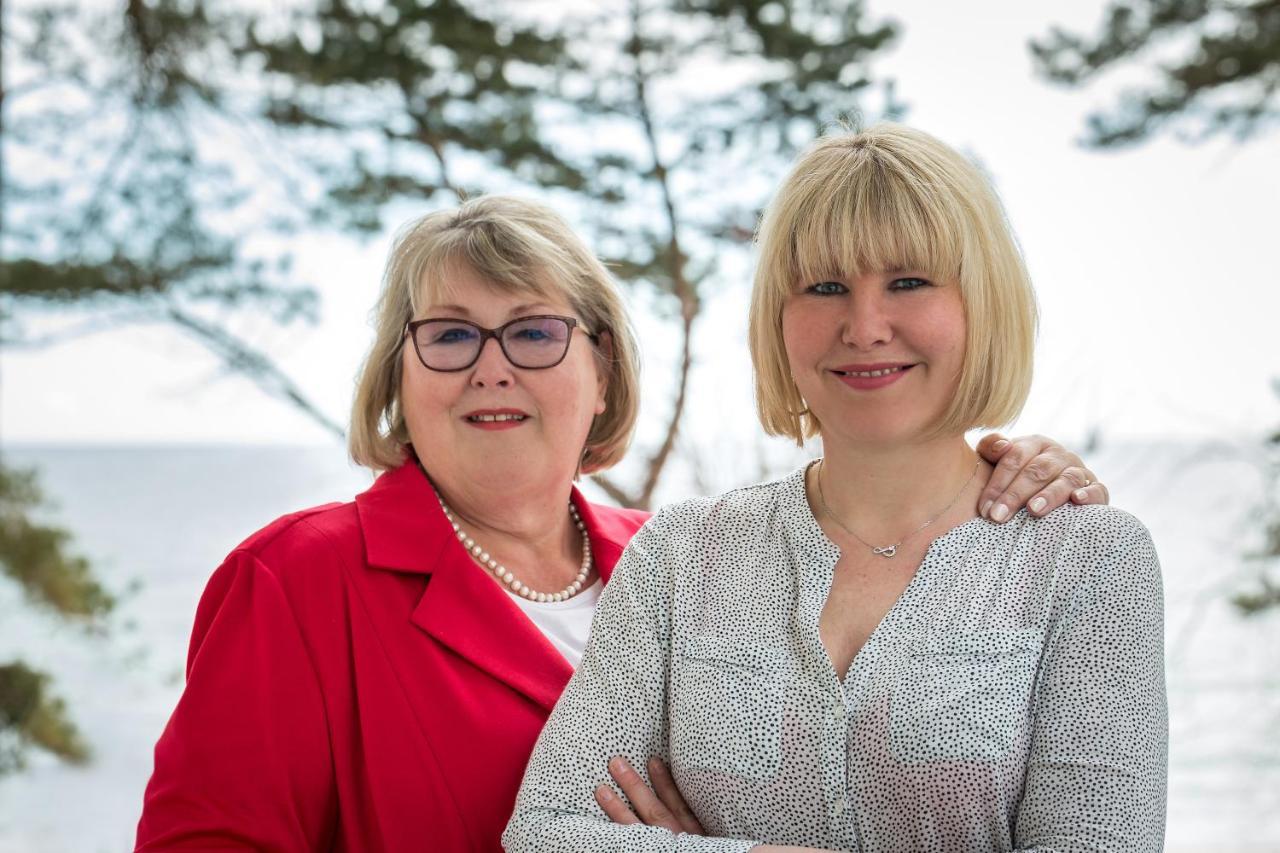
[(91, 326), (681, 287), (615, 492), (250, 362), (428, 138)]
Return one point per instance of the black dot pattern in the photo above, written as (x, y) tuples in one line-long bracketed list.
[(1013, 698)]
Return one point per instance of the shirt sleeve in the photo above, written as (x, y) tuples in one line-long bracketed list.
[(244, 762), (1098, 765), (615, 704)]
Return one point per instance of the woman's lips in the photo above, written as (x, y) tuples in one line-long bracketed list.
[(869, 377), (495, 419)]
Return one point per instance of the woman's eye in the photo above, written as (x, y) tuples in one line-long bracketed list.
[(828, 288), (454, 336), (532, 335), (908, 284)]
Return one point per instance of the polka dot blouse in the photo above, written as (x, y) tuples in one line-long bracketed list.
[(1013, 698)]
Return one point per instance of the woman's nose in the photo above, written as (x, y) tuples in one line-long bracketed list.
[(492, 369), (867, 323)]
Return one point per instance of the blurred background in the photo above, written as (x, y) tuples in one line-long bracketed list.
[(196, 200)]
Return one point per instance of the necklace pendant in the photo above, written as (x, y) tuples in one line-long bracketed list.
[(886, 551)]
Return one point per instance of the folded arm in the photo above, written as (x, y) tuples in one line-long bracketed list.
[(615, 705)]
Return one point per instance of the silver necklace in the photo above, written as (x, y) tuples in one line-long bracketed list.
[(887, 550), (504, 575)]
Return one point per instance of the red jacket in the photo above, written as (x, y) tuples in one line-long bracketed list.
[(356, 682)]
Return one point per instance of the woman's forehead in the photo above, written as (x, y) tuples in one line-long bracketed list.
[(467, 291)]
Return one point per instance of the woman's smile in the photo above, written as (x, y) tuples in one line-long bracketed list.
[(496, 419), (870, 377)]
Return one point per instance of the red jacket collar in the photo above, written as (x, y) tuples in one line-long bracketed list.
[(405, 530)]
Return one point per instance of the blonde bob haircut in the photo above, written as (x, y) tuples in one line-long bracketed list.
[(889, 198), (519, 246)]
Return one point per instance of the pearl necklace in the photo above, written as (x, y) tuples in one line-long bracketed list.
[(504, 575)]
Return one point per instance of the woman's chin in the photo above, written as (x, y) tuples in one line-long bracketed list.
[(505, 467), (885, 431)]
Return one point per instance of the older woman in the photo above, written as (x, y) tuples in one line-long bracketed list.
[(850, 657), (372, 675)]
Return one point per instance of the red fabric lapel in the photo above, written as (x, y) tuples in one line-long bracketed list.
[(463, 608)]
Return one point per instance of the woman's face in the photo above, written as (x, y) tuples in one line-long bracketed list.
[(877, 358), (450, 415)]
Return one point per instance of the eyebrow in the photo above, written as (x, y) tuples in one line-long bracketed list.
[(518, 310)]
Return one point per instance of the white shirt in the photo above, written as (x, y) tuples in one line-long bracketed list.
[(567, 624), (1013, 698)]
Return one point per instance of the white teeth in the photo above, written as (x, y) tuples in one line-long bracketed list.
[(493, 418), (870, 373)]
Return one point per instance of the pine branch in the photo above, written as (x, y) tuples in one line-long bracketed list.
[(1226, 80), (35, 555), (32, 717), (253, 364)]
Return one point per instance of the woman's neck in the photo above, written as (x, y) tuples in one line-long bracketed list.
[(524, 524), (887, 491)]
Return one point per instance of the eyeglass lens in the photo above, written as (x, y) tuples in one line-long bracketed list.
[(452, 345)]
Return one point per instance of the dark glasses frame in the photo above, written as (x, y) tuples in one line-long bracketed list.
[(411, 330)]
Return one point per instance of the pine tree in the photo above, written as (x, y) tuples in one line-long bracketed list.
[(36, 557), (1219, 71)]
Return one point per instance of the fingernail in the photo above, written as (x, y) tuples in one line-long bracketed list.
[(604, 793), (1080, 494), (1000, 512), (983, 509), (618, 764), (999, 445), (1038, 504)]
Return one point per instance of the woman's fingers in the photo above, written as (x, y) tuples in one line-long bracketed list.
[(665, 787), (992, 446), (644, 802), (1035, 472), (1022, 469), (614, 808), (1073, 481), (1094, 493)]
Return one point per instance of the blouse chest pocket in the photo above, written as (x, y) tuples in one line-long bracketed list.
[(726, 707), (963, 696)]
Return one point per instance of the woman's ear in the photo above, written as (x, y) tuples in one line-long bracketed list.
[(604, 345)]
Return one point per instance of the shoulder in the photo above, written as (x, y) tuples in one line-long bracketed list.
[(289, 569), (1098, 529), (1097, 546), (305, 540), (747, 511)]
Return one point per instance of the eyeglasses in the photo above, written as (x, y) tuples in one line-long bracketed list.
[(533, 343)]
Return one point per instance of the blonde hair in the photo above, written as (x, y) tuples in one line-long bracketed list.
[(515, 244), (890, 197)]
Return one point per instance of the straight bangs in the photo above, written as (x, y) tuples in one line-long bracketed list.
[(476, 251), (870, 219)]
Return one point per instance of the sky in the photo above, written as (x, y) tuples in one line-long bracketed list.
[(1154, 269)]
